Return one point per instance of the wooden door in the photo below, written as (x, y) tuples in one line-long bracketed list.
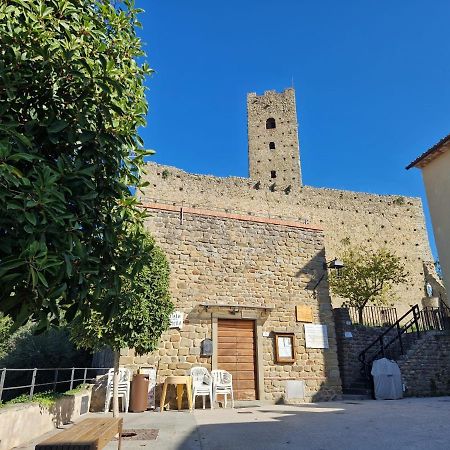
[(237, 355)]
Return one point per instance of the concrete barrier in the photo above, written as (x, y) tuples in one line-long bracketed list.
[(24, 422)]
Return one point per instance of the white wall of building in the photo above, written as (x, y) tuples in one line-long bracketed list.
[(436, 176)]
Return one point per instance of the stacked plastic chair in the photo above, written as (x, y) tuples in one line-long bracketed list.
[(124, 388)]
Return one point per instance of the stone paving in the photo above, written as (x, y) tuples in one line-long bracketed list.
[(413, 424)]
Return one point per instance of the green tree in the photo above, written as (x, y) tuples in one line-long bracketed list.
[(367, 276), (6, 325), (142, 315), (72, 97)]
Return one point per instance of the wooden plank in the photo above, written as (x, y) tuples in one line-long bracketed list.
[(245, 375), (235, 333), (245, 384), (243, 327), (227, 352), (236, 323), (245, 395), (226, 345), (246, 340), (88, 433), (229, 367), (245, 352), (225, 359), (244, 366)]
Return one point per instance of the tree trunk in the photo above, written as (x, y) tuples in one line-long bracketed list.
[(360, 314), (116, 385)]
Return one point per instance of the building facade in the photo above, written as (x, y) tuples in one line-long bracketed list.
[(435, 165), (248, 256)]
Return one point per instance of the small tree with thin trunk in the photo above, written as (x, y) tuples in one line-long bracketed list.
[(141, 316), (367, 276)]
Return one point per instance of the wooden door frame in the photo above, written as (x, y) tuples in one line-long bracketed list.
[(258, 323)]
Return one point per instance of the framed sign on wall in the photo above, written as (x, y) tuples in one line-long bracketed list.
[(284, 348)]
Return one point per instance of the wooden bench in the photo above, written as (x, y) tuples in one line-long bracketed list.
[(90, 434)]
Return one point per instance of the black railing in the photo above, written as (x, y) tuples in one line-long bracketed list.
[(397, 339), (373, 316)]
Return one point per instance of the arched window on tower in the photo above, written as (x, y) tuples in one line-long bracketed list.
[(271, 145), (270, 123)]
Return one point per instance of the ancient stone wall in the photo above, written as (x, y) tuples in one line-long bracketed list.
[(236, 260), (372, 220)]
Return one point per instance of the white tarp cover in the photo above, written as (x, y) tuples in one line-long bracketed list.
[(387, 379)]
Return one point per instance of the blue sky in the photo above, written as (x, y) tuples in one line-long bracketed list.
[(371, 79)]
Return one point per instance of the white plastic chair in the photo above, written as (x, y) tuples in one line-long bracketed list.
[(201, 384), (222, 385), (124, 388)]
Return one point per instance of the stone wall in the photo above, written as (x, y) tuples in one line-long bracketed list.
[(243, 260), (426, 366), (372, 220), (350, 346)]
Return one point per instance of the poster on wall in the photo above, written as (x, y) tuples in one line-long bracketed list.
[(284, 347), (316, 336)]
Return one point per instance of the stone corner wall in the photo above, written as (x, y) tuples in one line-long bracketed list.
[(426, 367)]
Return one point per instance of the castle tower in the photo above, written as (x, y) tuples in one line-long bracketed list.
[(273, 150)]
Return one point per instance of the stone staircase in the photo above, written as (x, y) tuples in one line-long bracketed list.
[(425, 368), (419, 341)]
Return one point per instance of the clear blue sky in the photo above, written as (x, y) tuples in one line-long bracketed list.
[(372, 81)]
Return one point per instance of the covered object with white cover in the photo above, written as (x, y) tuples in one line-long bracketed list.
[(387, 379)]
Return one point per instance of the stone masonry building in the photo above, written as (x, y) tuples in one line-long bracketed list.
[(247, 261)]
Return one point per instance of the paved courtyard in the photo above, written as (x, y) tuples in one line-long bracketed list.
[(397, 424)]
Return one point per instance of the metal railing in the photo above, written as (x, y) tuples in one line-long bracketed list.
[(62, 375), (398, 338), (373, 316)]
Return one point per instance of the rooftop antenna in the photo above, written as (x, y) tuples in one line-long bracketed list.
[(292, 81)]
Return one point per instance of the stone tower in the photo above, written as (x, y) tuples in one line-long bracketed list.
[(273, 150)]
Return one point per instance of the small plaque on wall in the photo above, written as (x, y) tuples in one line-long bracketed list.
[(316, 336), (176, 320), (304, 313)]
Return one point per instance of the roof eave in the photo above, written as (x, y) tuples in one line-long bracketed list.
[(430, 154)]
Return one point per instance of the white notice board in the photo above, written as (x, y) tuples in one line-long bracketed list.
[(316, 336)]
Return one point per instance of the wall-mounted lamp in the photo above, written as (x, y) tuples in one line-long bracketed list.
[(336, 264)]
